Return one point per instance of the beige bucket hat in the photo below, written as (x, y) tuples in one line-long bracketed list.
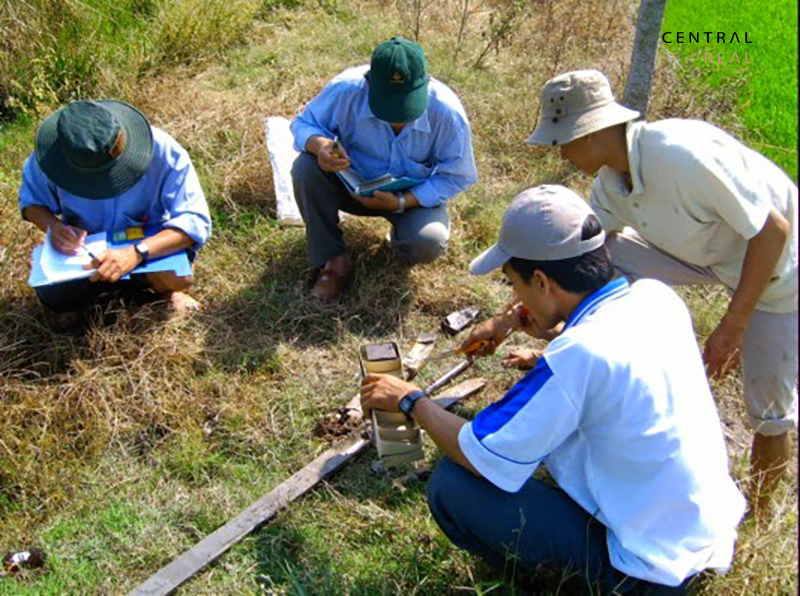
[(574, 105)]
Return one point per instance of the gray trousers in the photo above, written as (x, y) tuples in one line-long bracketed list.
[(769, 353), (419, 235), (537, 526)]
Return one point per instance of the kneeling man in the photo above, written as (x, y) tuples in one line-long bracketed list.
[(618, 407), (388, 117), (100, 166)]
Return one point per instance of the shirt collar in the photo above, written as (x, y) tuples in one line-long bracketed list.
[(609, 292)]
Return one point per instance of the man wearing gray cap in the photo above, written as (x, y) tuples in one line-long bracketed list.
[(618, 407), (689, 204)]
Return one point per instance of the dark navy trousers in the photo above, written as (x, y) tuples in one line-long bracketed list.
[(538, 526), (72, 295)]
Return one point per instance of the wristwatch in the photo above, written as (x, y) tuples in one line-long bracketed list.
[(401, 203), (143, 250), (408, 402)]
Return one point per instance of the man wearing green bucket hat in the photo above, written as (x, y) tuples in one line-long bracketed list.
[(388, 117), (99, 166)]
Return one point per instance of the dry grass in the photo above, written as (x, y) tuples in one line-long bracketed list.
[(122, 446)]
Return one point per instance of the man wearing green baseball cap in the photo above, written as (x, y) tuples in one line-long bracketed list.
[(386, 118), (99, 166)]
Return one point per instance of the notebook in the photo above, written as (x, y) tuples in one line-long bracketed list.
[(357, 185), (52, 267)]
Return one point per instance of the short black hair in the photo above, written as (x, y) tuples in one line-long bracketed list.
[(586, 273)]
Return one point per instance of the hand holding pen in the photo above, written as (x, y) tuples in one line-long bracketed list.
[(332, 156), (67, 239)]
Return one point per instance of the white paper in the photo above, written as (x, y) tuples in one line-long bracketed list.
[(51, 266)]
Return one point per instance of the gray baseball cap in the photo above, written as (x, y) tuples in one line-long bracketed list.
[(541, 224), (576, 104)]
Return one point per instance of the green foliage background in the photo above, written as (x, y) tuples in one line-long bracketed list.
[(767, 100)]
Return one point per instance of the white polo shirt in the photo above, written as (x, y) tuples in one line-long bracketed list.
[(700, 195), (620, 410)]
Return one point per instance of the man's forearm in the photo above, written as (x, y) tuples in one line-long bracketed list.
[(167, 242), (40, 216), (763, 252), (443, 427), (411, 200)]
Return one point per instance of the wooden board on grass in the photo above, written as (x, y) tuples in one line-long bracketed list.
[(170, 577)]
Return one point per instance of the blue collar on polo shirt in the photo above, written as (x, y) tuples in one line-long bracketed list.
[(611, 291)]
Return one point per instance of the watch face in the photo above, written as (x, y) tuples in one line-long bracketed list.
[(407, 402), (143, 250)]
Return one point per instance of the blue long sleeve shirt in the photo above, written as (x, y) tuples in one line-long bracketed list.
[(436, 147), (167, 195)]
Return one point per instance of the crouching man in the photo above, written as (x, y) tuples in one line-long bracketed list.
[(618, 407), (388, 117), (687, 204), (99, 166)]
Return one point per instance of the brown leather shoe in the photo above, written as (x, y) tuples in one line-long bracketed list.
[(334, 279)]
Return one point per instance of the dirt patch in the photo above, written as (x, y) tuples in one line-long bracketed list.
[(340, 423)]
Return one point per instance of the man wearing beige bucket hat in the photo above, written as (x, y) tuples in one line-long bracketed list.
[(99, 166), (689, 204)]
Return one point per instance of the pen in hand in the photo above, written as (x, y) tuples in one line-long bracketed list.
[(91, 254)]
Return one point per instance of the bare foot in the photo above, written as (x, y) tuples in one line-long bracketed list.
[(182, 303)]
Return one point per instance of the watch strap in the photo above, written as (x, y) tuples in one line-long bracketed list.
[(407, 402), (401, 203), (143, 250)]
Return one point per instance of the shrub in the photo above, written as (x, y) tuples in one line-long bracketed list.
[(192, 30)]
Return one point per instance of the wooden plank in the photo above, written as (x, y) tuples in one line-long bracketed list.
[(170, 577), (419, 353), (461, 391)]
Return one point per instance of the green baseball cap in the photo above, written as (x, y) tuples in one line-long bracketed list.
[(398, 81), (74, 148)]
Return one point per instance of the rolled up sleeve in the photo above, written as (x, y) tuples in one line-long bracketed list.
[(317, 118), (36, 188), (506, 441), (183, 199), (455, 165)]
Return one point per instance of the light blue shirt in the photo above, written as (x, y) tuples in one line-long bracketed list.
[(436, 147), (167, 195)]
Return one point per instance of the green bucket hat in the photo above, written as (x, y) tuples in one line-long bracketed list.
[(74, 144), (398, 81)]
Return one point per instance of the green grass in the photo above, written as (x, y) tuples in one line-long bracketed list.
[(767, 99), (123, 447)]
